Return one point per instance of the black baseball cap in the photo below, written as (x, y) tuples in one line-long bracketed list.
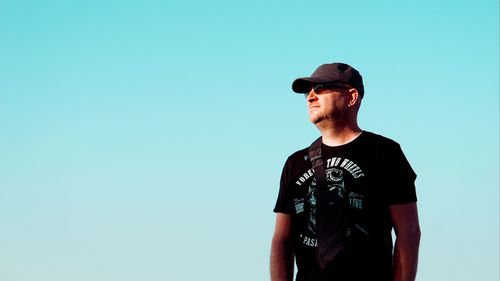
[(331, 74)]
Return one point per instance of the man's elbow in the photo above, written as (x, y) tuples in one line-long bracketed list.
[(418, 234), (415, 232)]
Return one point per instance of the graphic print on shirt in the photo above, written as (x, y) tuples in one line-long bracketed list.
[(341, 174)]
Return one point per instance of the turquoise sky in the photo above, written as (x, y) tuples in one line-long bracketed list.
[(144, 140)]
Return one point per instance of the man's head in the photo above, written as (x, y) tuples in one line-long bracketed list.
[(333, 92), (330, 74)]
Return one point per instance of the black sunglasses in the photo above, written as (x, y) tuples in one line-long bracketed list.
[(318, 88)]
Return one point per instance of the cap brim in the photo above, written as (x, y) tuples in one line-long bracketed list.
[(304, 84)]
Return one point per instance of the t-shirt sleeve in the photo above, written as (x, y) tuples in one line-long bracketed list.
[(284, 202), (400, 178)]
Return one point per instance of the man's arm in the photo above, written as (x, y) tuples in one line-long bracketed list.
[(407, 229), (282, 249)]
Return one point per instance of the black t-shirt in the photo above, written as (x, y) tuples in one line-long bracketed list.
[(372, 173)]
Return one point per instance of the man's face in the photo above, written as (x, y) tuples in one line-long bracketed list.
[(325, 103)]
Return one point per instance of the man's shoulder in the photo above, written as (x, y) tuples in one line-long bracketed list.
[(299, 155), (379, 139)]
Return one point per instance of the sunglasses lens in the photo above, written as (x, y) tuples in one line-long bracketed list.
[(318, 88)]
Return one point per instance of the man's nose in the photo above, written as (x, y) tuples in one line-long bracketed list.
[(311, 96)]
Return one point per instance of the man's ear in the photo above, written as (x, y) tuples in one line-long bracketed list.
[(353, 97)]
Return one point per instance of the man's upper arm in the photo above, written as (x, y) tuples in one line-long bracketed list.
[(405, 219), (283, 227), (406, 226)]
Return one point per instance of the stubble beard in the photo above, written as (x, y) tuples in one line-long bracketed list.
[(326, 122)]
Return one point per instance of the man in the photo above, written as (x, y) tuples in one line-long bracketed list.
[(337, 224)]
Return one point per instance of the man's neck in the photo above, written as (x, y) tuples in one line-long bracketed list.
[(335, 136)]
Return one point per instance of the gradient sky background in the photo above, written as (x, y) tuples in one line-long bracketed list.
[(145, 140)]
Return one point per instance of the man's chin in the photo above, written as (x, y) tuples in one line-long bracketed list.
[(315, 119)]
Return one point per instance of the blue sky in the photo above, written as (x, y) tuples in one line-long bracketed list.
[(144, 140)]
